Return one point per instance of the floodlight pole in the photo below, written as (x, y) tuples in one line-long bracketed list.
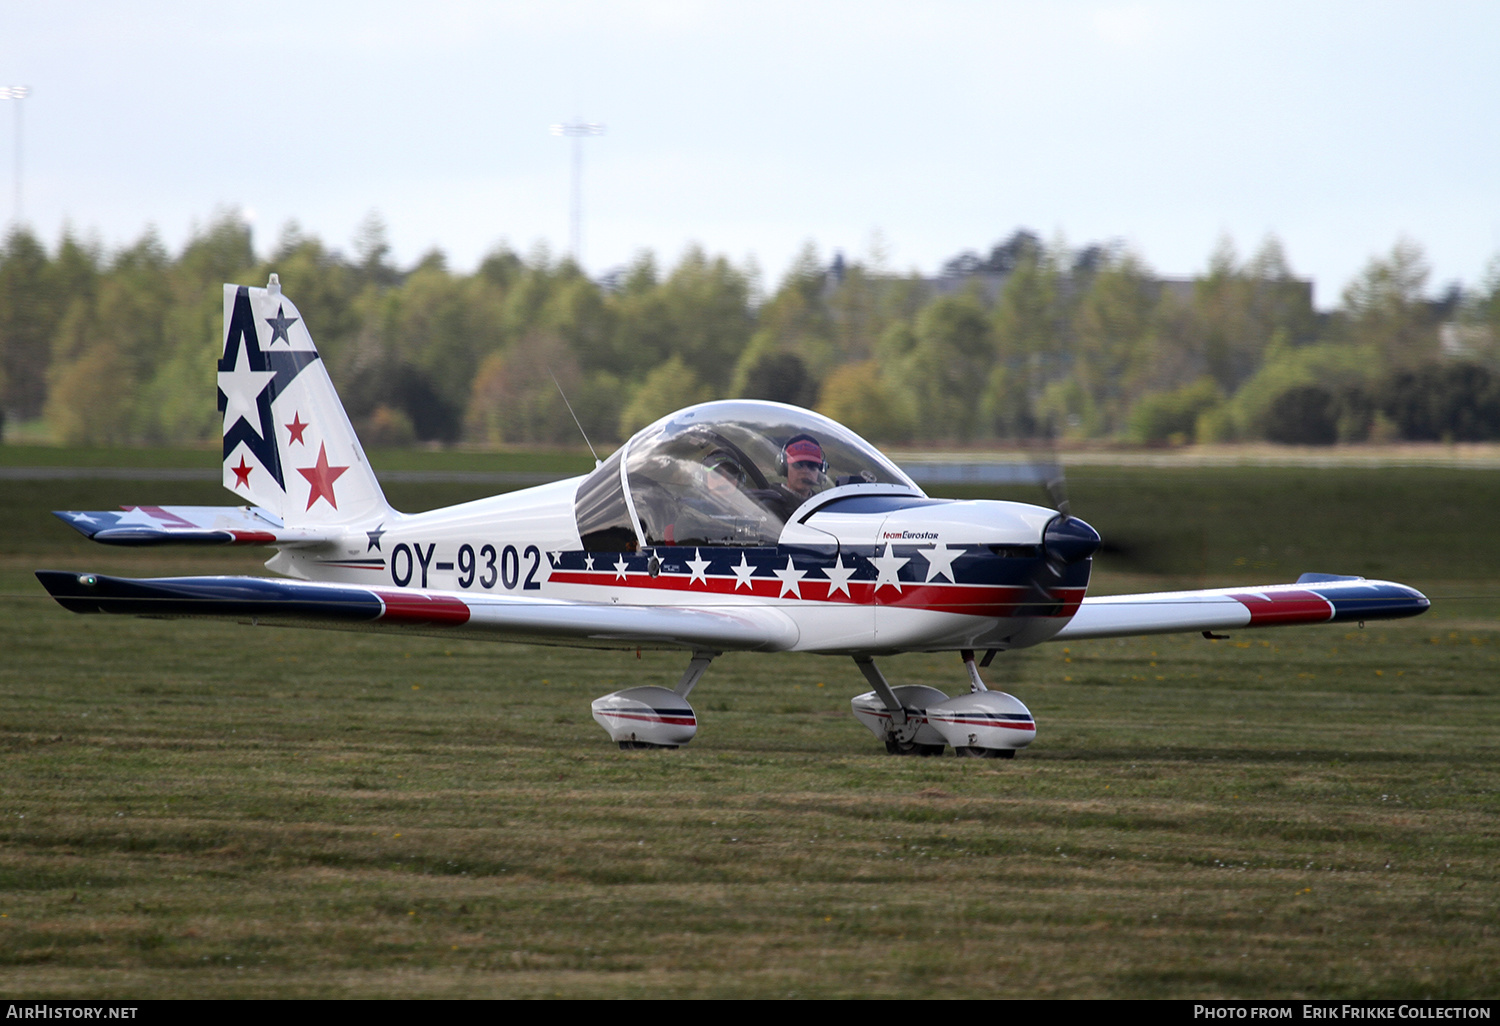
[(577, 130), (17, 93)]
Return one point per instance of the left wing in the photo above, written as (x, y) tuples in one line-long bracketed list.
[(190, 525), (275, 601), (1315, 598)]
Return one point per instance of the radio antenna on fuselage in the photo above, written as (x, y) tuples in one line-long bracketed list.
[(569, 405)]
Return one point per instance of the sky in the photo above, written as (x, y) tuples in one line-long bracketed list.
[(895, 133)]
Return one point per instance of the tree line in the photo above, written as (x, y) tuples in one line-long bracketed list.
[(1031, 340)]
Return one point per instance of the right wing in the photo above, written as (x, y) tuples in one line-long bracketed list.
[(280, 602), (1315, 598)]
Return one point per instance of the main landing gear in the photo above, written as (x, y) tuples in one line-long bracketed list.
[(913, 719), (651, 716), (910, 719)]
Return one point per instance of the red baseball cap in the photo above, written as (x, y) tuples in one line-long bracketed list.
[(804, 450)]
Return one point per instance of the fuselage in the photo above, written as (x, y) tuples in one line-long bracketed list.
[(862, 568)]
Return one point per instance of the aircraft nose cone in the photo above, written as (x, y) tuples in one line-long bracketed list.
[(1069, 540)]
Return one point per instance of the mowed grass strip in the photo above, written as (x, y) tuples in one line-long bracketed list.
[(207, 809), (200, 809)]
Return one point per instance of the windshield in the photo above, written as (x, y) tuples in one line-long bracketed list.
[(733, 473)]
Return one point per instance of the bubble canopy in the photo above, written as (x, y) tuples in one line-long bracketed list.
[(714, 474)]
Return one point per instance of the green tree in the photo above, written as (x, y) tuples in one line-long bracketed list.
[(797, 320), (707, 303), (950, 365), (669, 387), (515, 395), (1335, 367), (1384, 308), (859, 396), (90, 401), (1116, 331), (326, 290), (1174, 416), (1029, 332), (643, 338), (780, 377), (1303, 415), (372, 252), (1479, 323), (1443, 402), (578, 313), (221, 252), (29, 313)]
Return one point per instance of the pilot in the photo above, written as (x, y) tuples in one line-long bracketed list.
[(802, 463), (725, 477), (718, 516)]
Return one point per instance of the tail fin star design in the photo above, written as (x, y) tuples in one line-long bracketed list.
[(280, 409)]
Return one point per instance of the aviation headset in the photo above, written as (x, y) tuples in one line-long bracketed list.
[(781, 460)]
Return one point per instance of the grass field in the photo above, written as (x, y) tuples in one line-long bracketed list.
[(210, 810)]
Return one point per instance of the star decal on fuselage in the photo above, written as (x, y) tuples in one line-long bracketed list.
[(374, 545), (887, 567), (699, 567), (743, 573), (791, 579), (320, 478), (620, 567), (838, 576), (940, 561)]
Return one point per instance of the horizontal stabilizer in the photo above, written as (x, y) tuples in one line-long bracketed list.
[(190, 525)]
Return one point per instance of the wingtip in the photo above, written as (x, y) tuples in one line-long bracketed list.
[(70, 517), (73, 591)]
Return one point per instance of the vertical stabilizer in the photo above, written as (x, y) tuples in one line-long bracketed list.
[(288, 444)]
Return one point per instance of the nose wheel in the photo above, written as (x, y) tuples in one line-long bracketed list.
[(911, 748), (913, 719)]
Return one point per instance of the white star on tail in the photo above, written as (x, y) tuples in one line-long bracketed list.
[(838, 576), (241, 387), (742, 574), (699, 566), (887, 566), (940, 561), (790, 579)]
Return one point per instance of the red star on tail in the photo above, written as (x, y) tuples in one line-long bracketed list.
[(242, 473), (320, 478), (296, 427)]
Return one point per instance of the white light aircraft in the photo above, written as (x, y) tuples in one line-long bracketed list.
[(727, 526)]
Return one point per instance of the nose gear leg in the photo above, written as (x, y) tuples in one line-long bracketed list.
[(897, 715)]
